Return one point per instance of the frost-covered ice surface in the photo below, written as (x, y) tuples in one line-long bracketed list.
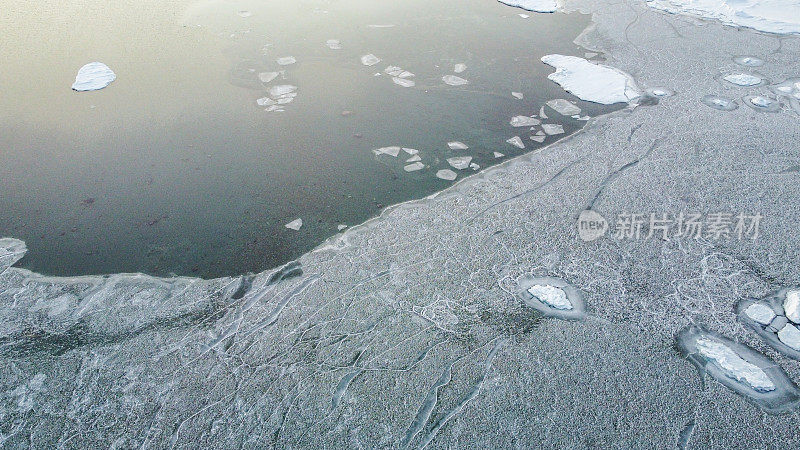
[(772, 16), (93, 76), (541, 6), (592, 82)]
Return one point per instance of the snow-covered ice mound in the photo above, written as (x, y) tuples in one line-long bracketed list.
[(591, 82), (93, 76), (552, 297), (775, 319), (11, 251), (772, 16), (542, 6), (740, 368)]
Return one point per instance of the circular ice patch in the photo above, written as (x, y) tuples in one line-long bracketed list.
[(720, 103), (749, 61), (761, 103)]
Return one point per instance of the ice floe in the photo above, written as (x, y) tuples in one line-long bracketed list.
[(295, 224), (518, 95), (457, 145), (446, 174), (413, 167), (286, 60), (553, 128), (740, 368), (791, 305), (524, 121), (370, 60), (11, 251), (760, 313), (743, 79), (414, 158), (720, 103), (460, 67), (770, 316), (540, 6), (267, 77), (498, 154), (516, 141), (771, 16), (790, 336), (761, 103), (453, 80), (391, 151), (563, 107), (459, 162), (333, 44), (552, 296), (538, 138), (281, 89), (748, 61), (93, 76), (591, 82), (404, 82)]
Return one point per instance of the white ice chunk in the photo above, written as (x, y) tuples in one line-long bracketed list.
[(403, 82), (733, 365), (341, 227), (295, 224), (93, 76), (459, 162), (771, 16), (457, 145), (391, 151), (413, 167), (541, 6), (551, 296), (498, 155), (760, 313), (563, 107), (474, 166), (591, 82), (516, 141), (518, 95), (265, 101), (791, 306), (244, 14), (370, 60), (410, 151), (790, 336), (333, 44), (286, 60), (743, 79), (414, 158), (453, 80), (460, 67), (553, 128), (266, 77), (281, 89), (285, 100), (537, 138), (393, 70), (524, 121), (446, 174), (524, 16), (542, 114)]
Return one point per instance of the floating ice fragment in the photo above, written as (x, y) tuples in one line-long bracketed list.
[(341, 227), (540, 6), (524, 121), (538, 138), (266, 77), (518, 95), (414, 158), (413, 167), (281, 89), (592, 82), (761, 103), (516, 141), (285, 100), (446, 174), (524, 16), (790, 336), (563, 107), (553, 128), (457, 145), (749, 61), (333, 44), (791, 306), (453, 80), (474, 166), (403, 82), (778, 17), (551, 296), (410, 151), (760, 312), (542, 114), (459, 162), (93, 76), (743, 79), (244, 14), (295, 224), (370, 60), (498, 155), (391, 151), (393, 70), (286, 60), (660, 92), (265, 101), (720, 103), (460, 67)]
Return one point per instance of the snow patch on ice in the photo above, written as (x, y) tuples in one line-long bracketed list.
[(743, 79), (591, 82), (733, 365), (93, 76), (771, 16), (540, 6), (551, 296)]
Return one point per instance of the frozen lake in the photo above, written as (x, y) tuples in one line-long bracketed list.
[(228, 120)]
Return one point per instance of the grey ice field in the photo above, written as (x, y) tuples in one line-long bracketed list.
[(550, 301)]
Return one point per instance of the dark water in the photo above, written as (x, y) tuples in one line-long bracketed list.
[(175, 169)]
